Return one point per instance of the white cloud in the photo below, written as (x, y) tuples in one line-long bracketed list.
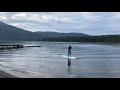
[(115, 15), (15, 24), (113, 27), (59, 22), (2, 12), (33, 27), (90, 22), (114, 18), (19, 16), (43, 18), (113, 22), (90, 16), (3, 17)]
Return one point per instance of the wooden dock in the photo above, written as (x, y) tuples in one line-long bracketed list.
[(10, 46)]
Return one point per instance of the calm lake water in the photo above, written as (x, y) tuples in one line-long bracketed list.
[(94, 60)]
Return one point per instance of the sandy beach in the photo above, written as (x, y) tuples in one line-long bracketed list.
[(6, 75)]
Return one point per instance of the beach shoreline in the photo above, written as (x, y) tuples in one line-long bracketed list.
[(4, 74)]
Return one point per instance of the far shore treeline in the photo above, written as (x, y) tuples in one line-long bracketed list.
[(100, 38)]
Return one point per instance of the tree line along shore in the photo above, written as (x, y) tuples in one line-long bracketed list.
[(100, 38)]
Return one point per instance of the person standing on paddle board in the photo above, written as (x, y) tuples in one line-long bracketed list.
[(69, 50)]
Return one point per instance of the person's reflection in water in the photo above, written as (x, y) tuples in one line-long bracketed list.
[(69, 70), (69, 65), (69, 62)]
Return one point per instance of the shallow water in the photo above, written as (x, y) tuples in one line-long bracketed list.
[(94, 60)]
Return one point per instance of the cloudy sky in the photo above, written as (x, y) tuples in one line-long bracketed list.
[(93, 23)]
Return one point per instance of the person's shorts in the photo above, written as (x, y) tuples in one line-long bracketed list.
[(69, 51)]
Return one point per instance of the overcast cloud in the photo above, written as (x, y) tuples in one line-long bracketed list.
[(93, 23)]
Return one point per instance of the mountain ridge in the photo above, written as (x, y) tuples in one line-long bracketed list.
[(58, 34), (9, 32)]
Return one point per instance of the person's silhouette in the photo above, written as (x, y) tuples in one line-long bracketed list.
[(69, 50)]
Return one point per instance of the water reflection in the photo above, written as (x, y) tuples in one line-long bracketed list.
[(95, 60), (69, 62), (69, 69), (109, 44)]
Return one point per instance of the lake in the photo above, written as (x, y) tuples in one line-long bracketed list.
[(94, 60)]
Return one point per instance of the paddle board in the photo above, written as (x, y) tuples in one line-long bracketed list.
[(65, 56)]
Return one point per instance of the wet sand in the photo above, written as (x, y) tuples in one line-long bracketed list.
[(6, 75)]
